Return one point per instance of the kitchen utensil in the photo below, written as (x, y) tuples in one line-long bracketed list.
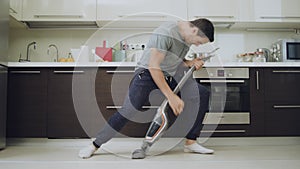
[(104, 52), (264, 54)]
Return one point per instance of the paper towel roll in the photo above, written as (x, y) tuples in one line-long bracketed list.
[(84, 54), (75, 53)]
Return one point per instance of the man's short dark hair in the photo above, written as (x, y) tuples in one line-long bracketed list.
[(206, 27)]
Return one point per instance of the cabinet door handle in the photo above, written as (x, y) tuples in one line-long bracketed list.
[(286, 106), (58, 16), (119, 71), (223, 131), (150, 107), (144, 107), (286, 71), (280, 17), (69, 72), (257, 80), (113, 107), (222, 81), (25, 72), (212, 16), (143, 16)]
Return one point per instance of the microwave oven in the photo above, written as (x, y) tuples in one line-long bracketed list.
[(287, 50)]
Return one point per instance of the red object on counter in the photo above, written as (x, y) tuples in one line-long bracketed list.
[(104, 53)]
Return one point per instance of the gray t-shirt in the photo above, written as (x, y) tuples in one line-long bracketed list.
[(167, 40)]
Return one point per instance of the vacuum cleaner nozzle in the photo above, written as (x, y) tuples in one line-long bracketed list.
[(158, 125)]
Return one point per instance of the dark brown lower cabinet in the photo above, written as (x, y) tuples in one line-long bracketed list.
[(257, 102), (62, 120), (282, 101), (3, 105), (111, 87), (282, 120), (27, 102), (76, 103)]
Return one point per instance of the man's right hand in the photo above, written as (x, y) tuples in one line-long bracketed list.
[(155, 60), (176, 104)]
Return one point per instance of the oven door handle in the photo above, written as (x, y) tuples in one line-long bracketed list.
[(222, 81)]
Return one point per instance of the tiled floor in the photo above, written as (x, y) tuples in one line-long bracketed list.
[(230, 153)]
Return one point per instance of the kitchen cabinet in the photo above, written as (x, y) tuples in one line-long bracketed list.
[(147, 13), (257, 102), (111, 87), (71, 102), (282, 120), (3, 105), (59, 10), (27, 102), (282, 101), (15, 9), (63, 120), (274, 101), (276, 10), (215, 10)]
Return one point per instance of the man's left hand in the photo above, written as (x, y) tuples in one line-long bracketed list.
[(197, 62)]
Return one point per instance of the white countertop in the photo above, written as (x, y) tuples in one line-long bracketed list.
[(132, 64)]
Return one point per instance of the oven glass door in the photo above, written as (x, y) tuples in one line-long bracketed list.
[(228, 95)]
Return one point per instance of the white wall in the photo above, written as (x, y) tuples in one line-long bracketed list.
[(231, 42)]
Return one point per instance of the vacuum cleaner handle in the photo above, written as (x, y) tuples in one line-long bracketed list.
[(184, 79), (192, 69)]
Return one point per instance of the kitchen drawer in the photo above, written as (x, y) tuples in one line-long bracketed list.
[(226, 118), (225, 130), (282, 119), (111, 85), (282, 84), (131, 129), (225, 124)]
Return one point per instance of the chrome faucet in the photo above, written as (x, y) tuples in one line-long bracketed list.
[(52, 45), (27, 56)]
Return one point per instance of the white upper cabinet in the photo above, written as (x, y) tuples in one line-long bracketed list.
[(140, 10), (215, 10), (59, 10), (277, 10), (291, 9), (15, 9)]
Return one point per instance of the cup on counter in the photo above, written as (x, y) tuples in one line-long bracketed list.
[(119, 56)]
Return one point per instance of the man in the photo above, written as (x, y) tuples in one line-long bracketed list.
[(163, 60)]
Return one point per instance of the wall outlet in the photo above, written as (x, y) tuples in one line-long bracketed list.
[(136, 46)]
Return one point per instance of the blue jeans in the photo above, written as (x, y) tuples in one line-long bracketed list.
[(188, 124)]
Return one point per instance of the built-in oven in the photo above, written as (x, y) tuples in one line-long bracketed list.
[(229, 109)]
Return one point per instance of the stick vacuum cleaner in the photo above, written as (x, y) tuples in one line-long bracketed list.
[(160, 122)]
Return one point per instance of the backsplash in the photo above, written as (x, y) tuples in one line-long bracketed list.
[(231, 42)]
